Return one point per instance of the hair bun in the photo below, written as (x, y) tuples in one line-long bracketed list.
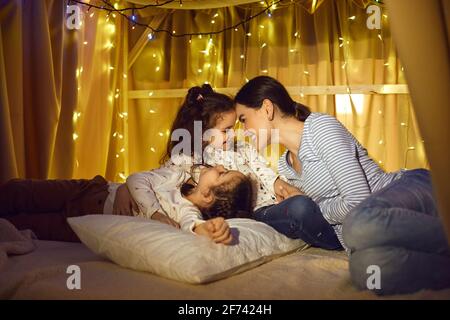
[(193, 95), (206, 89)]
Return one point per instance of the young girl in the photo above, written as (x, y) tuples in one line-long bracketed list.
[(296, 217), (44, 205), (173, 194)]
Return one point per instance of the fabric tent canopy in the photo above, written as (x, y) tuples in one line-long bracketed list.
[(309, 5), (424, 47)]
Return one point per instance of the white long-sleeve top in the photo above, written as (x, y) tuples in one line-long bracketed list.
[(246, 159), (159, 190)]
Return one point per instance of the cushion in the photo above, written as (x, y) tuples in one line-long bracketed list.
[(147, 245)]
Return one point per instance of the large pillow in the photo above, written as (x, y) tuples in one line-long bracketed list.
[(148, 245)]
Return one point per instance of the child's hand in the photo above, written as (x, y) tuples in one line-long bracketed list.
[(158, 216), (124, 203), (216, 229), (284, 190)]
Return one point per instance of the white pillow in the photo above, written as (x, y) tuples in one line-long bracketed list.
[(148, 245)]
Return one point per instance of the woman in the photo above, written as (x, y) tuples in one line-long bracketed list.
[(380, 209)]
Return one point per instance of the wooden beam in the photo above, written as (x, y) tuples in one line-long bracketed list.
[(295, 91)]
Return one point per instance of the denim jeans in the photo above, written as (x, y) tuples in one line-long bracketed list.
[(398, 229), (299, 217)]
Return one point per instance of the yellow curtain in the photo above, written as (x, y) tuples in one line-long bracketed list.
[(429, 79), (331, 47), (64, 110)]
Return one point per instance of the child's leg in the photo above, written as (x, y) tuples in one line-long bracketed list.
[(299, 217), (44, 205)]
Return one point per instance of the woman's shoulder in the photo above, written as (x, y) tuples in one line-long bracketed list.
[(322, 123), (319, 116)]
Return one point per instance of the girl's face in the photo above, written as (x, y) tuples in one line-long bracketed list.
[(223, 131), (211, 177), (257, 122)]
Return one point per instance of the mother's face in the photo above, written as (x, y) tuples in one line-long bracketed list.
[(257, 122)]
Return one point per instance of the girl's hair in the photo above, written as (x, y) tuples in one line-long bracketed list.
[(231, 200), (201, 104), (253, 93)]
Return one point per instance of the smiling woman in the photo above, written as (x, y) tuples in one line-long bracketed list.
[(381, 218)]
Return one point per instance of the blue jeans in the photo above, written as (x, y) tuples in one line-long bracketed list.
[(299, 217), (399, 230)]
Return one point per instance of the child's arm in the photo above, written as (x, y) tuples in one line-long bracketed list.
[(141, 186), (260, 168), (216, 229)]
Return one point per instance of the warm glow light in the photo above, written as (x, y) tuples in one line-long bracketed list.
[(75, 116), (110, 28), (344, 103)]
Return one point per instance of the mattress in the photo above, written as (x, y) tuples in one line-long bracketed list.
[(310, 274)]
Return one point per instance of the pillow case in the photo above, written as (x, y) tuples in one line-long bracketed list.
[(147, 245)]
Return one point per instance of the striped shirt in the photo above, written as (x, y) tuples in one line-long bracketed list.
[(336, 170)]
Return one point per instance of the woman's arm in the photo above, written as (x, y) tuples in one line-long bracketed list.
[(334, 145)]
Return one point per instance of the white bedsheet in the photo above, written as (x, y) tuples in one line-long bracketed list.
[(311, 274)]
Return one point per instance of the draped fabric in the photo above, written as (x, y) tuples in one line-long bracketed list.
[(310, 5), (66, 104), (422, 30)]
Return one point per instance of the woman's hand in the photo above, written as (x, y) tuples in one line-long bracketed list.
[(217, 229), (124, 203), (161, 217), (284, 190)]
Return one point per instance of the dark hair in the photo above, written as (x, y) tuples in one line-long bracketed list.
[(231, 200), (201, 104), (253, 93)]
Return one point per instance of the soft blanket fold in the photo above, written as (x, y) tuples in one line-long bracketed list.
[(13, 241)]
